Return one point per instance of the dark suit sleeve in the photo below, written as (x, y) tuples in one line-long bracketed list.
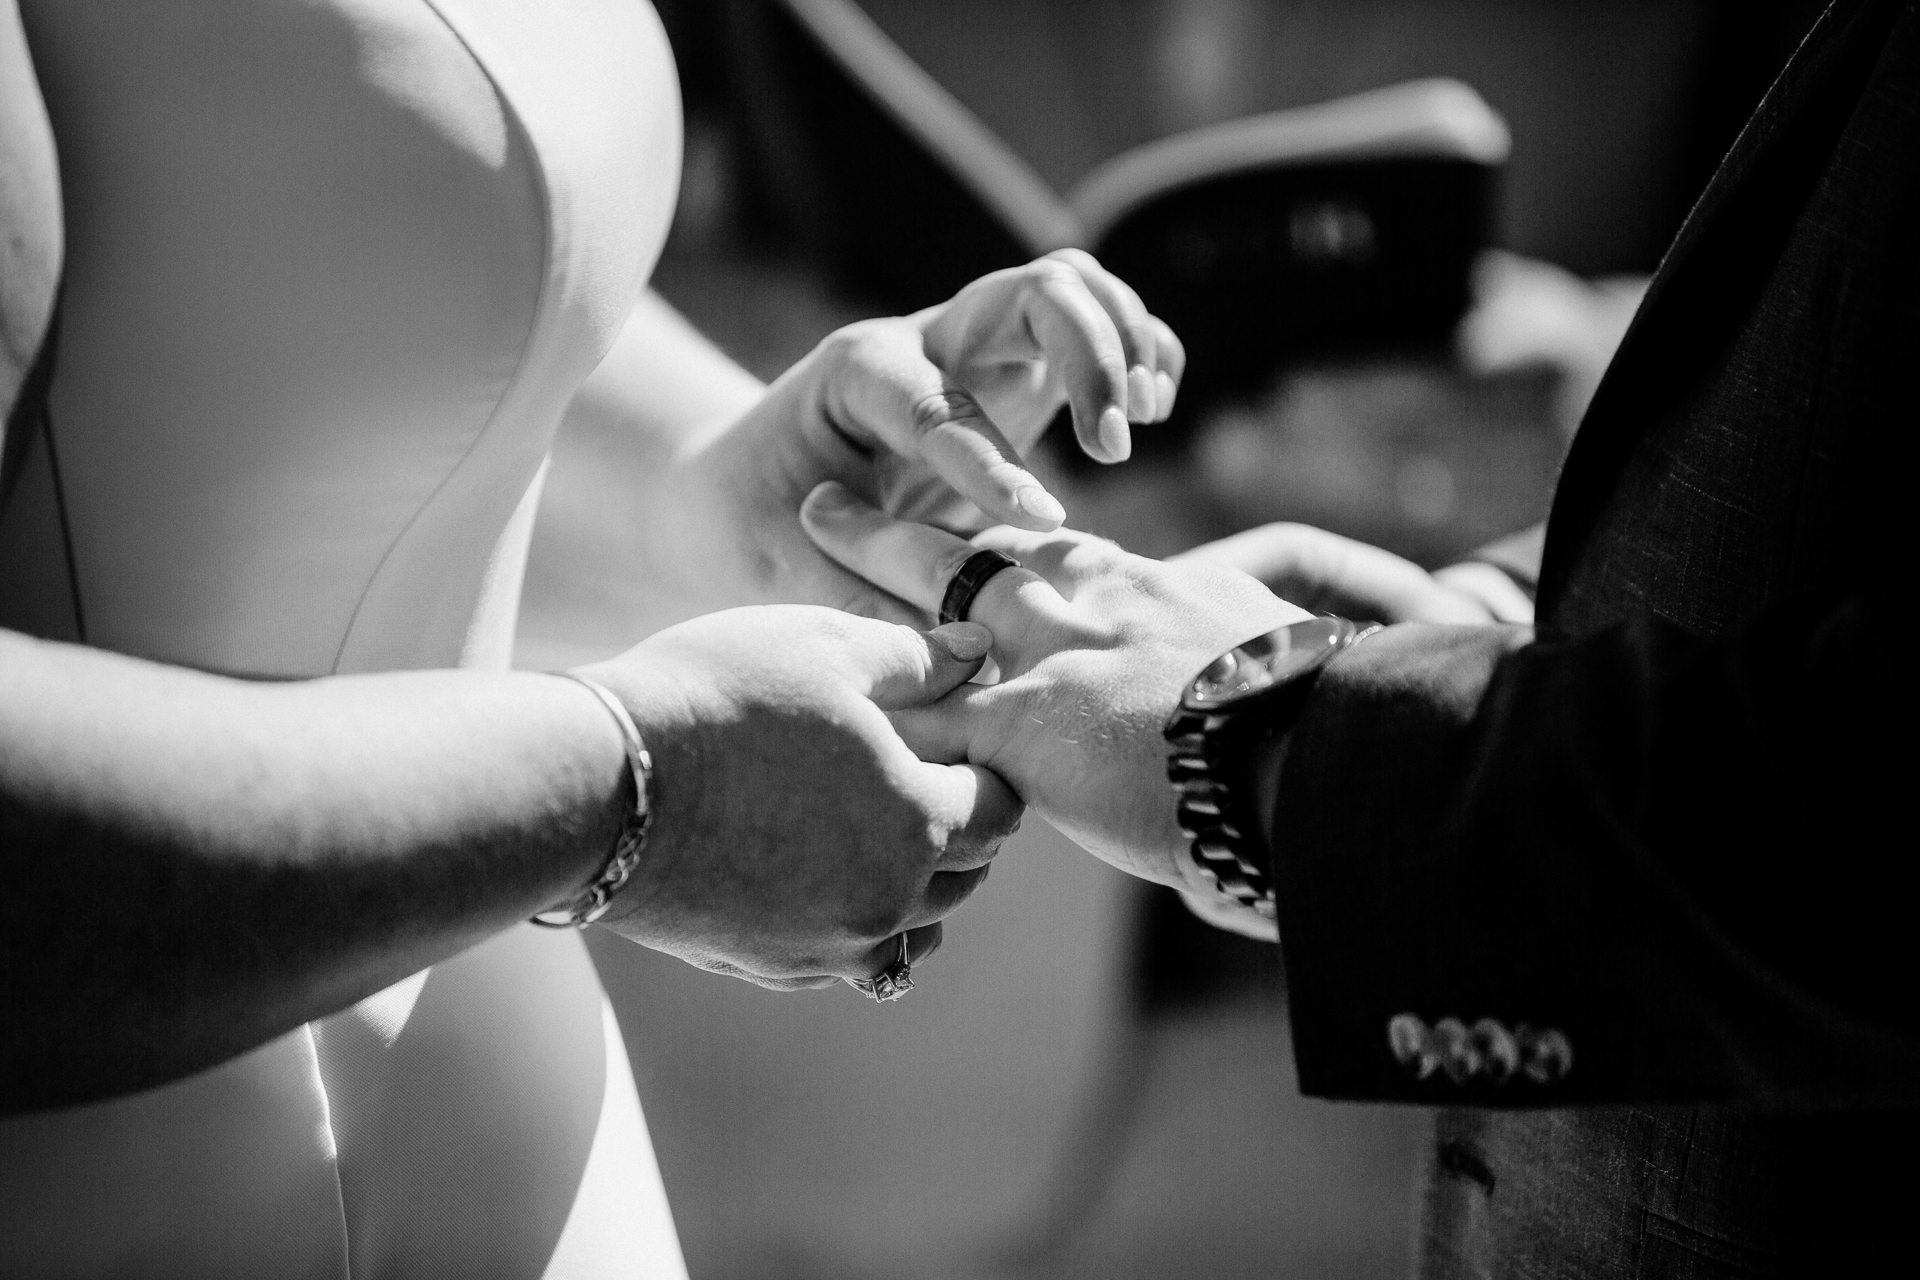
[(1689, 857)]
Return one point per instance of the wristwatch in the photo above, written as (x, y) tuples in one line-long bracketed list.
[(1244, 700)]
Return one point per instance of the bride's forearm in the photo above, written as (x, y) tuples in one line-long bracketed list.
[(191, 865), (603, 569)]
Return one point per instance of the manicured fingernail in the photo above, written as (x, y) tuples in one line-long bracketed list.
[(1040, 504), (1141, 397), (966, 641), (1115, 440), (1163, 398)]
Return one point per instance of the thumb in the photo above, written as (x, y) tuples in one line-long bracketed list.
[(915, 668)]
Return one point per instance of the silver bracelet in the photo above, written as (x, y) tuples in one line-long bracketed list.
[(625, 858)]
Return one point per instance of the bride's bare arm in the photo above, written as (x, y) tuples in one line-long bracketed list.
[(190, 865), (596, 575)]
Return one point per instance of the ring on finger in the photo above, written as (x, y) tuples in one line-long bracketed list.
[(967, 582), (891, 982)]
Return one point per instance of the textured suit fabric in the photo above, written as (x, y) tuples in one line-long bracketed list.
[(1674, 823)]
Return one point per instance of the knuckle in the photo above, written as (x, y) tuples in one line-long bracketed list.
[(860, 343), (958, 886), (1078, 259), (878, 920), (1051, 273), (840, 346), (939, 408)]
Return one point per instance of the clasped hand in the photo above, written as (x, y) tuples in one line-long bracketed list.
[(796, 833), (1095, 646)]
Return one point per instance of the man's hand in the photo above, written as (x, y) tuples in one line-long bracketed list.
[(795, 834), (926, 416), (1094, 646), (1327, 573)]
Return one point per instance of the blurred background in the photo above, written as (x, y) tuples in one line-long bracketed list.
[(1392, 342)]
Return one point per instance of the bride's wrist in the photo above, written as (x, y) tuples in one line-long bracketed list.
[(655, 702), (603, 796)]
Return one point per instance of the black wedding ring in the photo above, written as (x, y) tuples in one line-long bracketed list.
[(966, 584)]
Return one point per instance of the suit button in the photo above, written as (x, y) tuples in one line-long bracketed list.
[(1458, 1055), (1413, 1046), (1498, 1049), (1546, 1054)]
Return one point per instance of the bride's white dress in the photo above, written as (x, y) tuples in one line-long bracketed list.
[(334, 270)]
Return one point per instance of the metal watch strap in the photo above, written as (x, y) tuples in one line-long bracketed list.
[(595, 900), (1209, 749), (1209, 811)]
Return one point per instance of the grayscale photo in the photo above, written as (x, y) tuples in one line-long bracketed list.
[(957, 639)]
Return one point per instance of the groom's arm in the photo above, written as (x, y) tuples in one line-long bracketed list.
[(1675, 853), (1659, 867)]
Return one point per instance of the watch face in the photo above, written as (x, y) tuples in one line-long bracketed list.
[(1265, 661)]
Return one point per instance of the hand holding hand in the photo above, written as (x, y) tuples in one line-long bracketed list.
[(1094, 646), (917, 414), (795, 834)]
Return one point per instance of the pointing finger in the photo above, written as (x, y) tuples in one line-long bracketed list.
[(898, 399), (915, 562)]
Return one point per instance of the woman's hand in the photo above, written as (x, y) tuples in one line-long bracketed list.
[(795, 834), (1094, 646), (912, 413)]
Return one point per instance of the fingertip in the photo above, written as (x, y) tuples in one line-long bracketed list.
[(965, 641), (1142, 395), (1164, 391), (1171, 353), (1086, 429), (1043, 511), (1115, 437)]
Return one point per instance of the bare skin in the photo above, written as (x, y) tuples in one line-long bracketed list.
[(1095, 646), (191, 865)]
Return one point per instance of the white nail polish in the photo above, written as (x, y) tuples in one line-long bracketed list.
[(1141, 394), (1040, 504), (1164, 391), (1115, 440)]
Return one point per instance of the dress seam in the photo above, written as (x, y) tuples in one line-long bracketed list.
[(541, 304)]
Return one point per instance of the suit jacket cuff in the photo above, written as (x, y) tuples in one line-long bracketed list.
[(1360, 868)]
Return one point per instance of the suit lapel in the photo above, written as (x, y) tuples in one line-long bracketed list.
[(1655, 344)]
